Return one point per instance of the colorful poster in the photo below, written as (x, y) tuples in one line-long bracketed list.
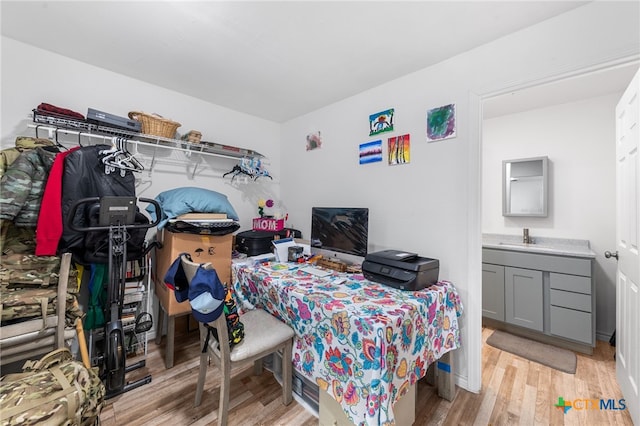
[(399, 149), (441, 123), (371, 152), (381, 122)]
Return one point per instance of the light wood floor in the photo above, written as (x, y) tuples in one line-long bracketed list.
[(514, 391)]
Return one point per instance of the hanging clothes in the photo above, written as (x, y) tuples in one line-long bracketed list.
[(22, 186), (15, 239), (50, 224), (84, 177)]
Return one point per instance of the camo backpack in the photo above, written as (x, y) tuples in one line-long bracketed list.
[(22, 269), (57, 390), (26, 303)]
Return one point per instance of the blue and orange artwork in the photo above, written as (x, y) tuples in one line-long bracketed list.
[(381, 122), (441, 123), (399, 149), (371, 152)]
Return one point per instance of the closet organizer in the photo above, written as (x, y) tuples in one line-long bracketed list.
[(155, 147)]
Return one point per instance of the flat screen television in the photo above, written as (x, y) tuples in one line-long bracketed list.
[(340, 232)]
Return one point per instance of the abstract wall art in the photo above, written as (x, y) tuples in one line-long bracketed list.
[(371, 152), (314, 140), (441, 123)]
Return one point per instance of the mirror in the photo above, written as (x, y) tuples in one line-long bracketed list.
[(524, 187)]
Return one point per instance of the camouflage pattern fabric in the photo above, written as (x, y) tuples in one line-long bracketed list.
[(11, 237), (55, 391), (23, 143), (29, 270), (16, 240), (22, 186), (26, 303)]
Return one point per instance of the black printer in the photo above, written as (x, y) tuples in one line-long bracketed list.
[(400, 269)]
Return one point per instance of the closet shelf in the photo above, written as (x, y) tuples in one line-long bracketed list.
[(89, 130)]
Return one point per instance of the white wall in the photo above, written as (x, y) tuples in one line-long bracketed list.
[(431, 206), (31, 76), (579, 139)]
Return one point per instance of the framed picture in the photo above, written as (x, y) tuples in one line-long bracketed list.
[(381, 122), (441, 123), (399, 149), (371, 152), (314, 141)]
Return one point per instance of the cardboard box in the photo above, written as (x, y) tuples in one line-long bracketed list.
[(202, 248)]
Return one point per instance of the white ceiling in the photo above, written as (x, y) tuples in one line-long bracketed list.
[(276, 60), (589, 85)]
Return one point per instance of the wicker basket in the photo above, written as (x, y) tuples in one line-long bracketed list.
[(193, 136), (153, 124)]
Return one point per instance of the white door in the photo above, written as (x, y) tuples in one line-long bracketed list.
[(627, 245)]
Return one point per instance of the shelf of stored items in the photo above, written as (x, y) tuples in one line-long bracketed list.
[(136, 306), (54, 124)]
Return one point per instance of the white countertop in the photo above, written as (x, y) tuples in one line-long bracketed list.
[(541, 245)]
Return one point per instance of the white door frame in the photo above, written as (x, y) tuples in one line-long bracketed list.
[(474, 217)]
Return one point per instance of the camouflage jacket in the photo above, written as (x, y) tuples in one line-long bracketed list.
[(23, 143), (22, 186)]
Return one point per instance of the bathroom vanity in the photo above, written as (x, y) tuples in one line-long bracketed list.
[(543, 290)]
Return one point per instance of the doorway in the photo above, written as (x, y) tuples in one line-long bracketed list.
[(572, 121)]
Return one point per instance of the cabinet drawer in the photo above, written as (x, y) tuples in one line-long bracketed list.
[(566, 299), (540, 262), (570, 283), (575, 325)]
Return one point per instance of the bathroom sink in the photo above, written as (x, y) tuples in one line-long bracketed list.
[(541, 245)]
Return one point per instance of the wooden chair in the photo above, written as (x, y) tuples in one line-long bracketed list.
[(264, 335), (38, 336)]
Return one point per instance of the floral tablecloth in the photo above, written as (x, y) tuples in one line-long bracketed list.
[(362, 342)]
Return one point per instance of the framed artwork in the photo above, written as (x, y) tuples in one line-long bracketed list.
[(398, 152), (441, 123), (381, 122), (371, 152), (314, 140)]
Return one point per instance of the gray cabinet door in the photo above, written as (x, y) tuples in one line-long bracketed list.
[(523, 298), (493, 291)]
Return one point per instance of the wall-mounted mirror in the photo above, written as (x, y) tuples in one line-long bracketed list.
[(524, 187)]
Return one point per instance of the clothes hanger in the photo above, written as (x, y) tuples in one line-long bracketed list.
[(117, 157)]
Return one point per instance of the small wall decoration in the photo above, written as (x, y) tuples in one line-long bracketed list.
[(271, 218), (441, 123), (371, 152), (314, 140), (381, 122), (399, 149)]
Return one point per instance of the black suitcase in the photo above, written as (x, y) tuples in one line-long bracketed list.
[(253, 243)]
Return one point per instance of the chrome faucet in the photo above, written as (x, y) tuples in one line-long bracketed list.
[(525, 236)]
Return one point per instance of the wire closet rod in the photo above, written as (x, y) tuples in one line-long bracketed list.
[(53, 130)]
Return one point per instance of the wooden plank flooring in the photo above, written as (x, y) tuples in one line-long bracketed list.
[(514, 391)]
